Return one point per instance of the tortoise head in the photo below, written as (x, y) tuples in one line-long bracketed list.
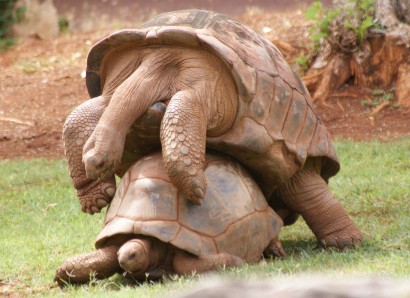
[(102, 152), (133, 255)]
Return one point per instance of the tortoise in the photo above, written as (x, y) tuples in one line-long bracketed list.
[(150, 229), (219, 85)]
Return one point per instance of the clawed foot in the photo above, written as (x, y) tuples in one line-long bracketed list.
[(195, 191), (96, 195), (192, 186), (274, 249), (103, 150), (344, 239)]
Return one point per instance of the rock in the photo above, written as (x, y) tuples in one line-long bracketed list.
[(306, 287), (40, 19)]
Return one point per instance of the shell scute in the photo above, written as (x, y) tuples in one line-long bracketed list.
[(223, 203), (185, 18), (281, 66), (279, 108), (156, 200), (127, 36), (211, 43), (256, 194), (149, 167), (115, 205), (306, 134), (294, 120), (319, 145), (260, 105), (163, 230), (250, 246), (178, 35), (152, 36), (188, 240), (248, 138), (245, 42)]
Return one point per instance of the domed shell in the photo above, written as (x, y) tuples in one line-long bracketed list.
[(276, 127), (233, 218)]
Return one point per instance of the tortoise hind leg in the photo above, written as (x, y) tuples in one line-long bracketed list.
[(308, 194), (185, 263), (100, 264)]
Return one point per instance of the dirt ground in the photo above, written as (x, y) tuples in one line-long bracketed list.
[(41, 81)]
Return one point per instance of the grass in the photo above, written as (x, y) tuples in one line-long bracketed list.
[(41, 225)]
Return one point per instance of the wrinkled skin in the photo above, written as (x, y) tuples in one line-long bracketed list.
[(308, 194)]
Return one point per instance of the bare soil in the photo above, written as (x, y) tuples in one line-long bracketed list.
[(41, 81)]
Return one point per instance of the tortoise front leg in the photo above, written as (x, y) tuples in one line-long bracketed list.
[(308, 194), (100, 264), (185, 263), (93, 194)]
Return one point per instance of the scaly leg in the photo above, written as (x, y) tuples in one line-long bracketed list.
[(183, 138), (101, 264), (308, 194), (93, 194)]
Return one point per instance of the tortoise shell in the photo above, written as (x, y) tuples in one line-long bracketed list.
[(276, 128), (234, 217)]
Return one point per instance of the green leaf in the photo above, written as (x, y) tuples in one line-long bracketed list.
[(349, 25), (367, 23), (377, 92), (319, 35), (388, 97), (313, 11)]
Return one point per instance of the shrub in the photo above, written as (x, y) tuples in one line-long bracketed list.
[(357, 15), (9, 15)]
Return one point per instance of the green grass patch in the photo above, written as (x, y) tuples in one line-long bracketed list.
[(41, 225)]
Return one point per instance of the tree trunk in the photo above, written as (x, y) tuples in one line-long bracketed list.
[(380, 60)]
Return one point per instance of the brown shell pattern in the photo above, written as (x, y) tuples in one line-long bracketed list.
[(233, 218), (276, 127)]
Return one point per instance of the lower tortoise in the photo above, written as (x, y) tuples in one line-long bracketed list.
[(151, 229)]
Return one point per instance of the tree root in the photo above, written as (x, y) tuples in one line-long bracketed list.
[(381, 107)]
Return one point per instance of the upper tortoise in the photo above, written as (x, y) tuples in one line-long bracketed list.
[(200, 79)]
